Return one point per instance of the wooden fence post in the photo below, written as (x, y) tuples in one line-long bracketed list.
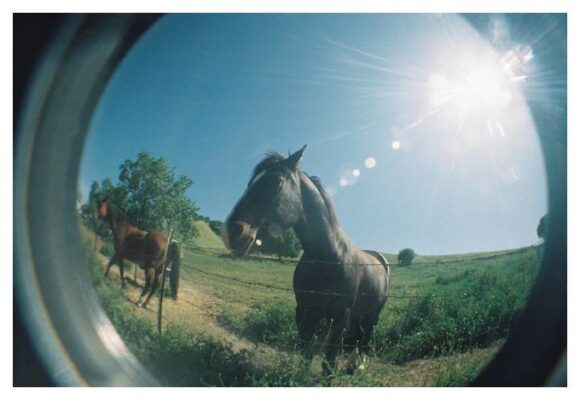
[(162, 285)]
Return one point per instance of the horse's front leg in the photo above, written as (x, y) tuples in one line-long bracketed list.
[(361, 331), (306, 321), (338, 325), (121, 271), (112, 261)]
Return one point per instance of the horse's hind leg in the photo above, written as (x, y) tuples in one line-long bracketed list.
[(149, 272), (154, 286), (368, 326), (361, 333), (306, 321)]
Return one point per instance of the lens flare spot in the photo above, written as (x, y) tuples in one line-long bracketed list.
[(370, 162), (396, 145), (356, 172), (343, 182)]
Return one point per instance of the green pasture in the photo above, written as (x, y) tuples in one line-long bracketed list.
[(445, 319)]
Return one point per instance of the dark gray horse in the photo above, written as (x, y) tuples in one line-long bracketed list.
[(334, 280)]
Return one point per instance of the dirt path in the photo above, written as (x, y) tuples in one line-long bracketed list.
[(193, 309)]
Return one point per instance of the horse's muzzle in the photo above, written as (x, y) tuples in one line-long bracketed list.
[(239, 236)]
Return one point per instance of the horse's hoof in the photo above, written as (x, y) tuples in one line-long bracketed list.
[(352, 369), (356, 362), (328, 369)]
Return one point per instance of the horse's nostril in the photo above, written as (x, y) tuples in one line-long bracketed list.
[(237, 235)]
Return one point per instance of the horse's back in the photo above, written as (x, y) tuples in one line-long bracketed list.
[(144, 247), (156, 244)]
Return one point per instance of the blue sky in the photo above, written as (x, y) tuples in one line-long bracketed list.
[(422, 99)]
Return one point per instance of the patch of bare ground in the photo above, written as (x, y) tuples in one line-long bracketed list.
[(193, 309)]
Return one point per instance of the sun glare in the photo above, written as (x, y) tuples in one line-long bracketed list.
[(477, 89), (479, 86)]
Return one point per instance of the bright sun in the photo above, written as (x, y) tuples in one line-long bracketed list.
[(477, 87)]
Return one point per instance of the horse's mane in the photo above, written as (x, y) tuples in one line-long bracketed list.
[(325, 197), (273, 157)]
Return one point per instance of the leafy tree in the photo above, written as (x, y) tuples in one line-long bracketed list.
[(150, 195), (406, 256), (286, 244), (216, 226), (542, 229)]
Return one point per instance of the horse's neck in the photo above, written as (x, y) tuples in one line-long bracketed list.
[(116, 221), (318, 229)]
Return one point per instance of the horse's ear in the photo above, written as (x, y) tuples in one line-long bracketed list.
[(294, 159)]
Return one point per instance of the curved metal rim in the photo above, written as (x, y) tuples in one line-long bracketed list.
[(48, 144)]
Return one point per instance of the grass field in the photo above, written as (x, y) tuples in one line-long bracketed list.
[(233, 322)]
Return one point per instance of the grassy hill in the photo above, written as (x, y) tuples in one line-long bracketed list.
[(462, 257), (207, 238)]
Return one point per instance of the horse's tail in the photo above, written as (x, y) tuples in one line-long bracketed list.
[(174, 257)]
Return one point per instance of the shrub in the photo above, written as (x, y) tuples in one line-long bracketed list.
[(406, 256), (471, 313), (271, 324)]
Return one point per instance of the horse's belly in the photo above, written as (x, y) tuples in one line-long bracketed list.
[(372, 292), (141, 252), (320, 286)]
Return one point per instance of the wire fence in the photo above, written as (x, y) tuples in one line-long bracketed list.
[(440, 262), (293, 290), (474, 339), (454, 342), (338, 294)]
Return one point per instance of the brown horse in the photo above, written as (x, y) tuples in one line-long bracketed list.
[(147, 249), (334, 280)]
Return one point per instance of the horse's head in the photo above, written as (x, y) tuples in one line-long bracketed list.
[(272, 201), (102, 209)]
